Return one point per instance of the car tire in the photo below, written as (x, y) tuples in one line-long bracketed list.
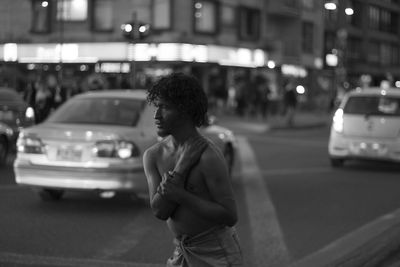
[(3, 150), (51, 194), (337, 162), (229, 157)]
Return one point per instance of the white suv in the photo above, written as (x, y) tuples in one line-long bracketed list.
[(366, 126)]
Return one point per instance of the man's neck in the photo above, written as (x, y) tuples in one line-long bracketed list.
[(182, 135)]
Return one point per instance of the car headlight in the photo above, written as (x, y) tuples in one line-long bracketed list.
[(30, 144), (115, 149), (338, 120)]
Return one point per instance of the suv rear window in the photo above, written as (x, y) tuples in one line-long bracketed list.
[(373, 105)]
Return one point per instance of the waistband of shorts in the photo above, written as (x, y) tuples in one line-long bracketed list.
[(219, 229)]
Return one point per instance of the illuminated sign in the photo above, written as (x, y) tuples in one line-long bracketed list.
[(95, 52), (293, 70)]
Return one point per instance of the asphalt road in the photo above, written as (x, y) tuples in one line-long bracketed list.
[(291, 204)]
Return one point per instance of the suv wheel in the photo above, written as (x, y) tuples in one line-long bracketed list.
[(51, 194), (337, 162)]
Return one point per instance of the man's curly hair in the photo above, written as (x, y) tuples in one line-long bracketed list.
[(184, 92)]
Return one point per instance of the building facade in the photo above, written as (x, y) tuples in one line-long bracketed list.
[(362, 43), (83, 44)]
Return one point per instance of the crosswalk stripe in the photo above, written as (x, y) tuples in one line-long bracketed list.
[(269, 248)]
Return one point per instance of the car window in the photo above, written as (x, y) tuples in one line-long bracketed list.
[(107, 111), (373, 105)]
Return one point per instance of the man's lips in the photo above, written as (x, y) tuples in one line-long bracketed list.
[(158, 124)]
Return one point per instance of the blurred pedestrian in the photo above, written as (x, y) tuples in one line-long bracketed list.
[(43, 102), (290, 102), (188, 179), (241, 101), (265, 92)]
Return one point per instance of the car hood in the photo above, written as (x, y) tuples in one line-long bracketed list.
[(78, 132), (372, 126)]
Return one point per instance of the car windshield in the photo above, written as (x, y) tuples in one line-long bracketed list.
[(373, 105), (106, 111)]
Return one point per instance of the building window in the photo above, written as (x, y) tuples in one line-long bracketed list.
[(102, 15), (308, 4), (205, 16), (40, 16), (308, 37), (383, 20), (228, 16), (354, 49), (356, 18), (395, 55), (72, 10), (161, 10), (249, 23), (373, 16), (373, 52), (386, 54)]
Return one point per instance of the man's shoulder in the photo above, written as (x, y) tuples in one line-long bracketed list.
[(156, 148), (212, 152)]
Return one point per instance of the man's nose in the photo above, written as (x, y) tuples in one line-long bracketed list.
[(156, 113)]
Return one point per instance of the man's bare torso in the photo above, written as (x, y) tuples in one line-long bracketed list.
[(185, 221)]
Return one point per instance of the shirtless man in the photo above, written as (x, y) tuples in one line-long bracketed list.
[(188, 179)]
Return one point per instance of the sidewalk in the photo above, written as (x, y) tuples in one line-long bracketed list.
[(302, 120)]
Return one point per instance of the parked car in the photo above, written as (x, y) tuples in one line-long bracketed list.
[(6, 134), (95, 141), (16, 114), (366, 126)]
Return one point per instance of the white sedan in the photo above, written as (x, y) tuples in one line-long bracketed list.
[(95, 142), (366, 126)]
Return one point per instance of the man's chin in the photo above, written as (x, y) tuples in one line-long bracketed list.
[(162, 134)]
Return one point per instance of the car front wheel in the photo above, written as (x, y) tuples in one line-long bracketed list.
[(51, 194)]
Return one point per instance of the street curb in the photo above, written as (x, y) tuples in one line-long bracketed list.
[(368, 246)]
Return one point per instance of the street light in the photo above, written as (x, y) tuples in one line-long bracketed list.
[(336, 57), (133, 31), (331, 5)]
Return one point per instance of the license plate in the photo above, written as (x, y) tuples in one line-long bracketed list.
[(69, 154)]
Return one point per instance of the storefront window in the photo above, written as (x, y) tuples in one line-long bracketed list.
[(205, 16), (162, 14), (72, 10), (308, 37), (102, 15), (40, 16), (228, 16)]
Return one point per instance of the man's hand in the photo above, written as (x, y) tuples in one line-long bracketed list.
[(171, 188), (190, 154)]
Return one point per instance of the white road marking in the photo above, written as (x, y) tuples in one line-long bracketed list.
[(268, 242), (15, 258), (296, 171)]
